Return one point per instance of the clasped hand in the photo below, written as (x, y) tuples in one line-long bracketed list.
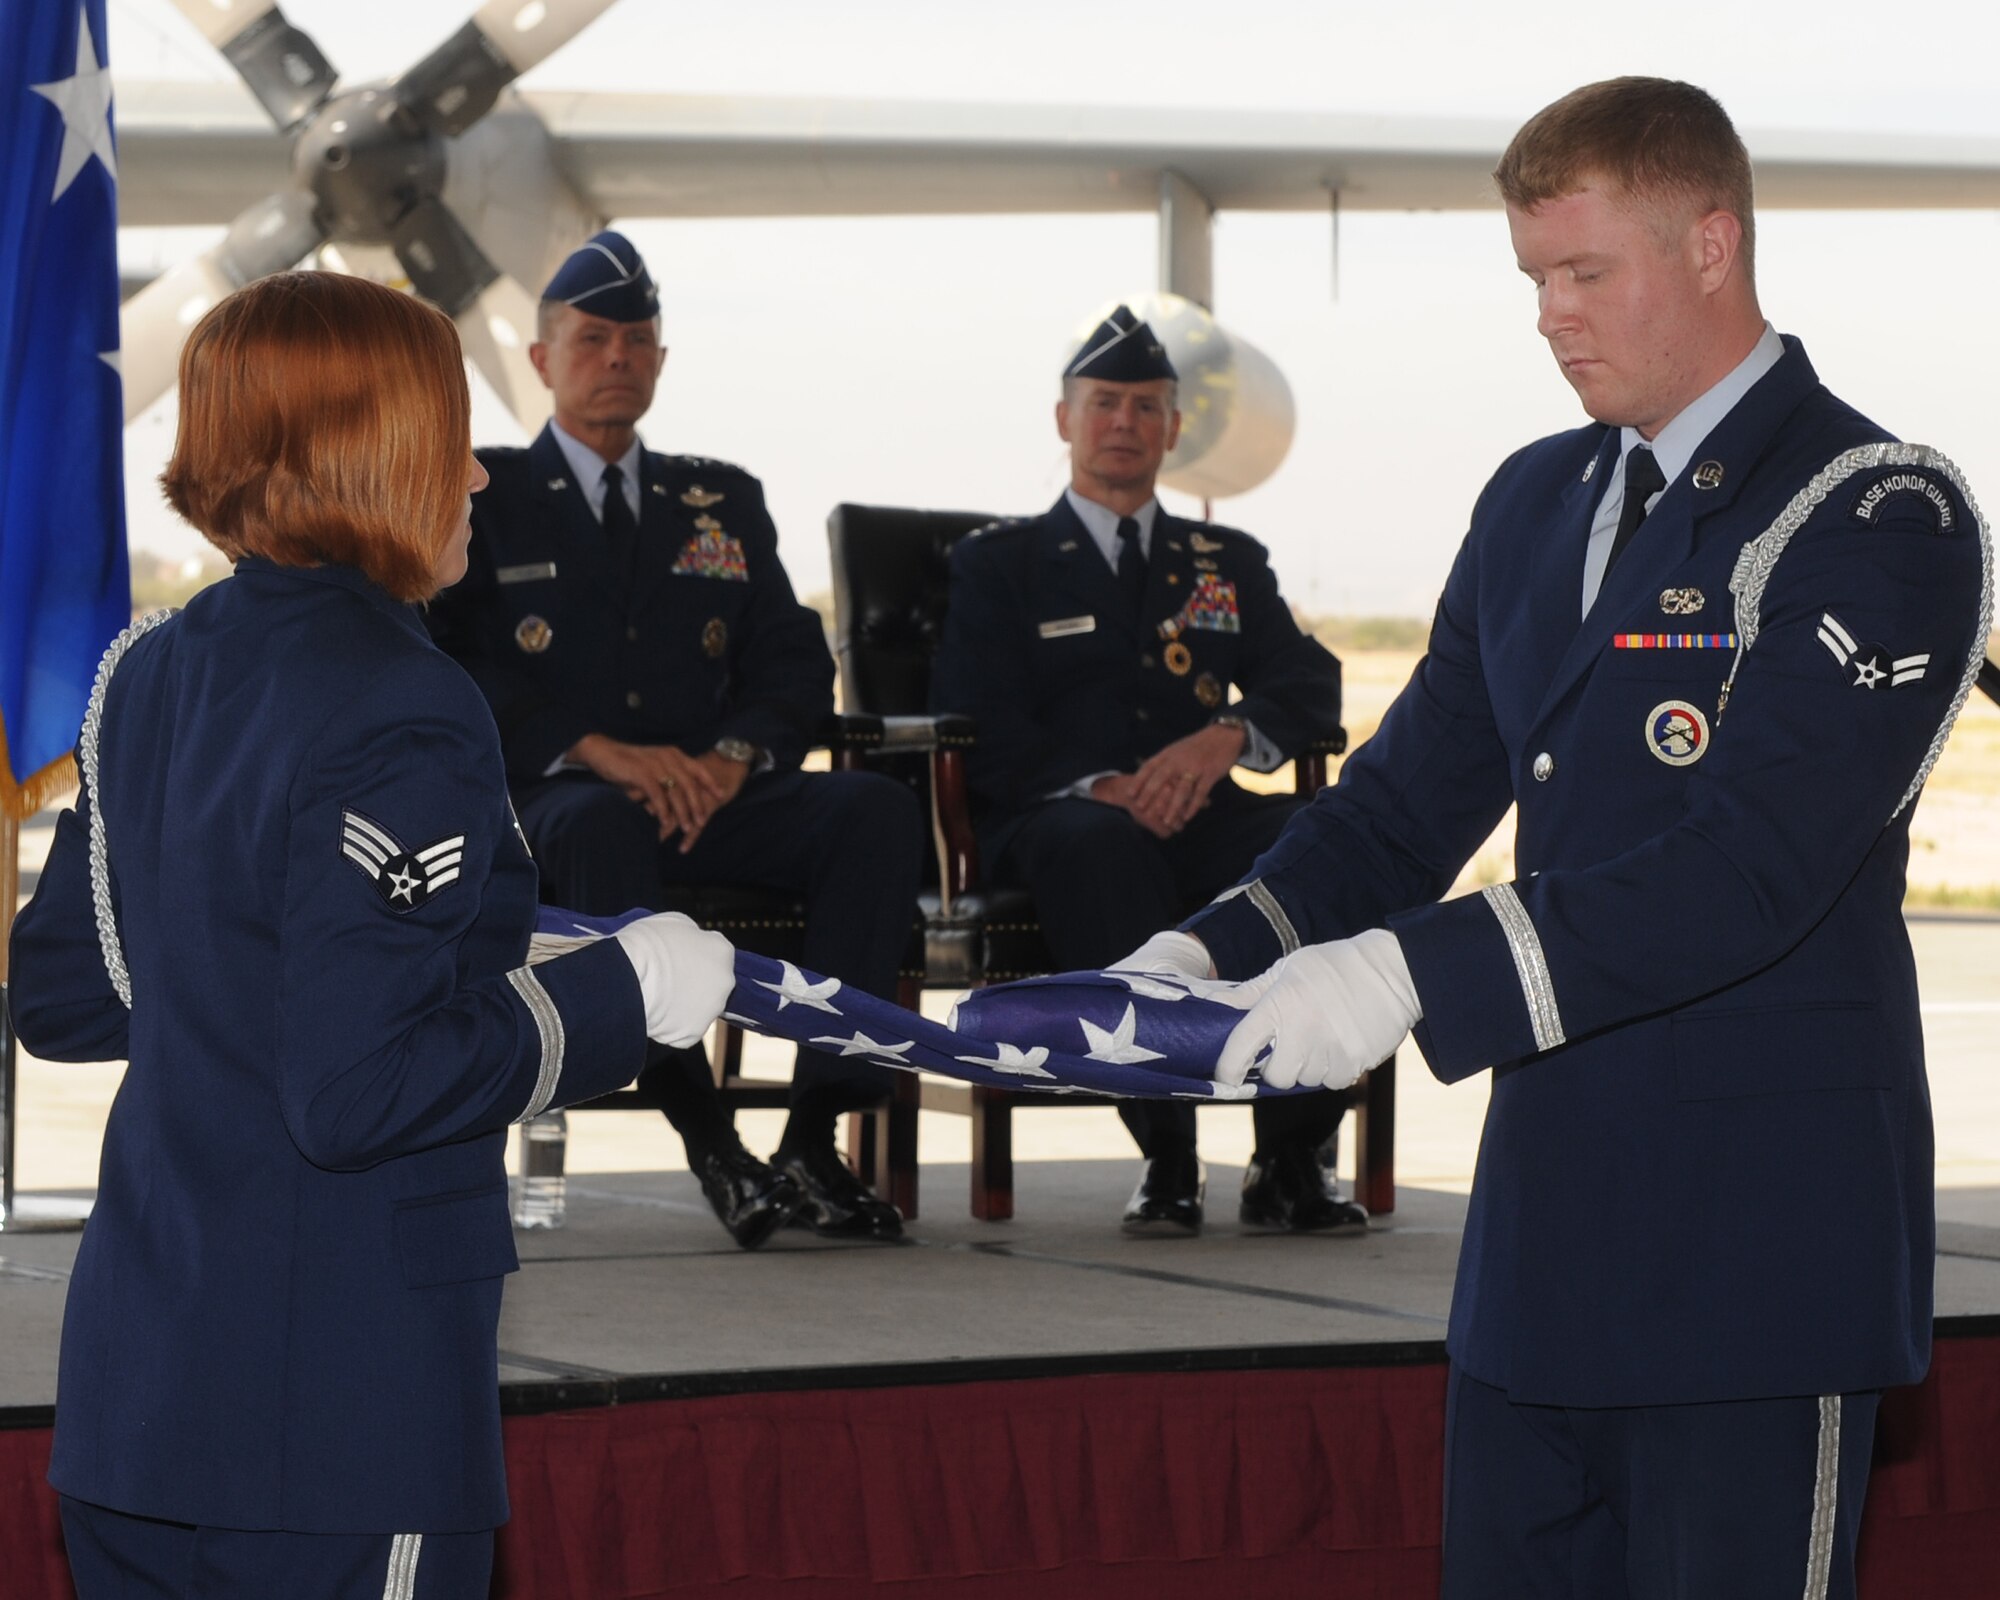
[(679, 791), (1174, 782)]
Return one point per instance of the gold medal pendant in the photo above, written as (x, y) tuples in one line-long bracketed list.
[(1178, 658)]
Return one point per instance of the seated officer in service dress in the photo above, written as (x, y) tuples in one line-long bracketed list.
[(1095, 645), (657, 684)]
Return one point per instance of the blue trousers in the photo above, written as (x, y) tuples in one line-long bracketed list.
[(1739, 1500), (116, 1556)]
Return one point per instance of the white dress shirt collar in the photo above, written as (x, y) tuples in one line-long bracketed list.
[(589, 467), (1101, 522)]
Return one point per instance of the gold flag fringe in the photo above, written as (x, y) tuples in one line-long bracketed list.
[(21, 800)]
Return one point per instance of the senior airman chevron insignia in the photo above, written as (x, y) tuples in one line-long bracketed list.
[(405, 879)]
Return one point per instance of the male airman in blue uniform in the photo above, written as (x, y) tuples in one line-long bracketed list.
[(1709, 645), (656, 684), (1096, 645)]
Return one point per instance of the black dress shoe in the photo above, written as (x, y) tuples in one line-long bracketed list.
[(1293, 1191), (1168, 1200), (752, 1200), (836, 1203)]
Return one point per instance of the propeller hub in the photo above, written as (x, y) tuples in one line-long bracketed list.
[(367, 163)]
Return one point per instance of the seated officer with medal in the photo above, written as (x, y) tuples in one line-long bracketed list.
[(656, 684), (1094, 645)]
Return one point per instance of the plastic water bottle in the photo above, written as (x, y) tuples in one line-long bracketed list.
[(541, 1192)]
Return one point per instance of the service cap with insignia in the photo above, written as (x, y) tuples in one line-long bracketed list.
[(606, 277), (1121, 349)]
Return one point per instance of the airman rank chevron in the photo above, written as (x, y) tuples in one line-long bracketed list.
[(1870, 665), (405, 879), (1673, 641)]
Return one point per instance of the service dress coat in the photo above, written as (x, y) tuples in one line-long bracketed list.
[(1041, 648), (284, 1311), (1706, 1167), (701, 639)]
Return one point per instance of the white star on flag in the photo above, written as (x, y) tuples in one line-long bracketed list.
[(1120, 1046), (793, 990), (1012, 1058), (84, 99), (862, 1045)]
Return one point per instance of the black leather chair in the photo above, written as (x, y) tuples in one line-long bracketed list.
[(891, 581)]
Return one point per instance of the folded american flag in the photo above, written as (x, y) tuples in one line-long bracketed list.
[(1128, 1035)]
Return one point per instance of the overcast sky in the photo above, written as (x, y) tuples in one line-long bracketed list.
[(913, 361)]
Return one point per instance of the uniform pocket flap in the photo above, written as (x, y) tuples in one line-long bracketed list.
[(456, 1238), (1721, 1055)]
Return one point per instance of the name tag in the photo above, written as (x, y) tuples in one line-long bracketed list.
[(1063, 627), (527, 572)]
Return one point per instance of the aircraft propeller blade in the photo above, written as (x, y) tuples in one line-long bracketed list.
[(280, 62), (269, 237), (496, 330), (457, 83), (495, 315)]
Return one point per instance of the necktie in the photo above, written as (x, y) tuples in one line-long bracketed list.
[(1131, 565), (1643, 480), (621, 530)]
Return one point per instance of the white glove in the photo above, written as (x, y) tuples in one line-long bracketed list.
[(1180, 954), (685, 975), (1329, 1012)]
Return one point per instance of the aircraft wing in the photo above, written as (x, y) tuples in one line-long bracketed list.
[(192, 153)]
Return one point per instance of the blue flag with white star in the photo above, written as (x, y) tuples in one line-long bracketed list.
[(65, 590), (1129, 1035)]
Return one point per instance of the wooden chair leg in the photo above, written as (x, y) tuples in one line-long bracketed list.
[(992, 1155), (900, 1140), (1375, 1141), (882, 1145)]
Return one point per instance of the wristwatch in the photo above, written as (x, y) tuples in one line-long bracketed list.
[(735, 749)]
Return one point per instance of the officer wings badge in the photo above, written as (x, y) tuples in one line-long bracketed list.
[(405, 879)]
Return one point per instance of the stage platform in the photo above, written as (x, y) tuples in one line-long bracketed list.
[(1042, 1406)]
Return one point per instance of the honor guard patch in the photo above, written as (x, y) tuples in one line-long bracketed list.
[(714, 638), (1868, 666), (1682, 602), (405, 879), (1208, 691), (1902, 483), (698, 497), (1212, 606), (1178, 658), (711, 553), (533, 635), (1677, 733)]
